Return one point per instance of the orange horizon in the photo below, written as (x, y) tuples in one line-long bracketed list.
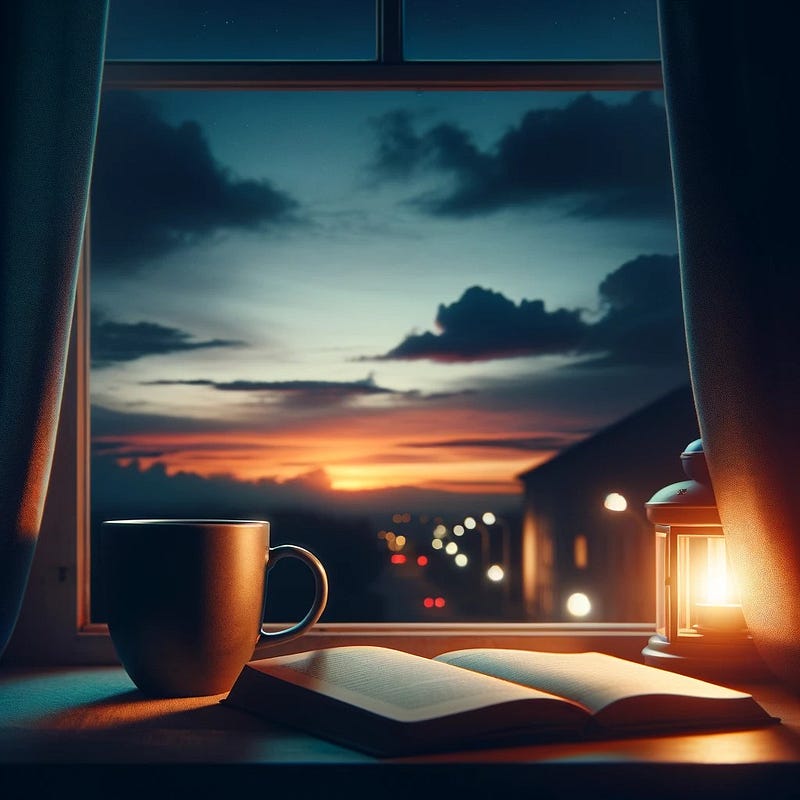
[(338, 464)]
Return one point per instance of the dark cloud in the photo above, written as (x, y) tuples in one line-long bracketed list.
[(122, 449), (641, 323), (112, 425), (526, 443), (302, 392), (156, 187), (643, 319), (484, 325), (114, 342), (604, 160)]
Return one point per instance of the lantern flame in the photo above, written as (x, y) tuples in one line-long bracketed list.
[(718, 589)]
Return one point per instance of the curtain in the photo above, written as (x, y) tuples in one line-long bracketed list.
[(730, 90), (52, 55)]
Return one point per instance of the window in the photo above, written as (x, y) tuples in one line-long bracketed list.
[(580, 551), (409, 124)]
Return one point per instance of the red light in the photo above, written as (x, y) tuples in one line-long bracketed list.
[(439, 602), (422, 561), (398, 558), (428, 602)]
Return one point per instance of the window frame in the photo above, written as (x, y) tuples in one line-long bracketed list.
[(54, 626)]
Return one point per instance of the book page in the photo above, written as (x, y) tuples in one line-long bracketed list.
[(396, 684), (595, 680)]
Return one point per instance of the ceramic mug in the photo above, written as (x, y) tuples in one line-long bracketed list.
[(185, 599)]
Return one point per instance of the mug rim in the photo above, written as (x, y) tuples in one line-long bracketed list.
[(167, 521)]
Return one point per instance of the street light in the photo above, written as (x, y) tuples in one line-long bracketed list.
[(615, 502), (626, 550), (578, 604), (490, 519), (495, 573), (484, 533)]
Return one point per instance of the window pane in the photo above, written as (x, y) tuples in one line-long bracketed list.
[(530, 29), (241, 30), (364, 315)]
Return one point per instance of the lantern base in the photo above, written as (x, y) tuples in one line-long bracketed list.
[(712, 659)]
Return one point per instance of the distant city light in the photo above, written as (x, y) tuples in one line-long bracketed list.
[(440, 531), (436, 544), (451, 549), (615, 502), (461, 560), (578, 604), (458, 530), (470, 523), (495, 573), (394, 542), (398, 558), (489, 518), (422, 561)]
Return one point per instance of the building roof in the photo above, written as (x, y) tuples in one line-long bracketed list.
[(667, 423)]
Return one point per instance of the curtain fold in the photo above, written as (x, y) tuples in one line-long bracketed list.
[(52, 56), (730, 90)]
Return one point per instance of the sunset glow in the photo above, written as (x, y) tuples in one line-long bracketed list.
[(338, 464)]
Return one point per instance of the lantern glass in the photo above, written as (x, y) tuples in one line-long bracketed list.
[(662, 585), (707, 598)]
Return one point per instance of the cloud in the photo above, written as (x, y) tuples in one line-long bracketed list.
[(297, 392), (112, 427), (525, 443), (114, 342), (123, 449), (131, 489), (157, 186), (643, 320), (641, 323), (483, 324), (600, 159)]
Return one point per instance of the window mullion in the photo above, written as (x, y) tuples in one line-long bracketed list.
[(389, 16)]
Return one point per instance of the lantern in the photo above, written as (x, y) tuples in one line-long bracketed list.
[(700, 627)]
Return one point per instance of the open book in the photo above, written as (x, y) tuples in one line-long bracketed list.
[(389, 703)]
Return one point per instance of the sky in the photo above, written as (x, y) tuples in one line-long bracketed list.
[(348, 296)]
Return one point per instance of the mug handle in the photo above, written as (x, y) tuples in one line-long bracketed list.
[(274, 555)]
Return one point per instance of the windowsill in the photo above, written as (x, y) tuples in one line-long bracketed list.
[(65, 724), (425, 639)]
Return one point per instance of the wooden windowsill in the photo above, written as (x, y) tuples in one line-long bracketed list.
[(78, 725), (32, 647)]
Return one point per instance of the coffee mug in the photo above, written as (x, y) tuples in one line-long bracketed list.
[(185, 599)]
